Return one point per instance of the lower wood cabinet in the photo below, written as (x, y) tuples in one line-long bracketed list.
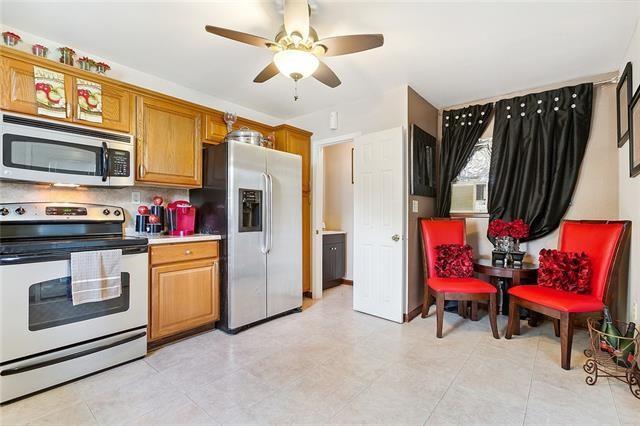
[(184, 293), (333, 260)]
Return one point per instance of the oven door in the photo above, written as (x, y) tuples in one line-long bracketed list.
[(37, 314)]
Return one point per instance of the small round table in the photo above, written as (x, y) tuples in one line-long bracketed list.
[(527, 274)]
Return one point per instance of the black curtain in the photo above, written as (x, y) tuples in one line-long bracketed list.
[(461, 129), (539, 141)]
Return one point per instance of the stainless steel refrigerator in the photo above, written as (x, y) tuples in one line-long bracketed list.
[(252, 197)]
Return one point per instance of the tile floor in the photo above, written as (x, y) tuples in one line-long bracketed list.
[(330, 364)]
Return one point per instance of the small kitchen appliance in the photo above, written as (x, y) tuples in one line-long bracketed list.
[(44, 339), (181, 217), (45, 151)]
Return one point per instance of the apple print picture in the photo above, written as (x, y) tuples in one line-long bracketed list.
[(89, 100), (50, 93)]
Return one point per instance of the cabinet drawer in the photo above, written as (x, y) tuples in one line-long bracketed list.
[(183, 251)]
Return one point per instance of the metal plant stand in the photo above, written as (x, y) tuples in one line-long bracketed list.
[(602, 363)]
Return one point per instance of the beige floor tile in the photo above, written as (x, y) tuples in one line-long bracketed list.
[(236, 389), (72, 415), (29, 409), (627, 405), (133, 400), (176, 412), (330, 364)]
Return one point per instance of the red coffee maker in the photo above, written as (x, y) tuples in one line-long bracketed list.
[(181, 217)]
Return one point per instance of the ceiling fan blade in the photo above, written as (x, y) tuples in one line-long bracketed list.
[(343, 45), (269, 71), (325, 76), (238, 36), (296, 18)]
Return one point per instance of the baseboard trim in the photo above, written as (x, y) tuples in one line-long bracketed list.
[(347, 282), (414, 313)]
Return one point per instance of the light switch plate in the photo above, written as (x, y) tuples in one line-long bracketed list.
[(135, 197), (414, 206), (634, 312)]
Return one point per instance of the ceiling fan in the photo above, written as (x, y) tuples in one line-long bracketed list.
[(297, 49)]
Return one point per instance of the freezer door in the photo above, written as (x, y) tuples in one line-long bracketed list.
[(284, 224), (246, 293)]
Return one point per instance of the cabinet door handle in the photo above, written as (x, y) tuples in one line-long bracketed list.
[(188, 252), (141, 170), (69, 109)]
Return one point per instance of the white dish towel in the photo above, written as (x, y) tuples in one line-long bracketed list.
[(95, 276)]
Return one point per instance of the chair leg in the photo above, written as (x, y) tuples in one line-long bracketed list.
[(566, 339), (556, 326), (492, 315), (474, 311), (439, 313), (426, 303), (462, 309), (513, 326)]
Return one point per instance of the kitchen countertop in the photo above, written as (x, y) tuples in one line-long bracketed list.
[(172, 239), (328, 232)]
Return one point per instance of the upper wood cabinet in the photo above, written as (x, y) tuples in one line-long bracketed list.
[(168, 143), (214, 129), (18, 92), (117, 108), (296, 141)]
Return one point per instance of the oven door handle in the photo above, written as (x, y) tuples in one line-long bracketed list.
[(18, 370), (105, 161)]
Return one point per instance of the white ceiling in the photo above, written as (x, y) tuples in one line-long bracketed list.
[(450, 52)]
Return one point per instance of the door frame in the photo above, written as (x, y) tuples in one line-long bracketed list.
[(317, 205)]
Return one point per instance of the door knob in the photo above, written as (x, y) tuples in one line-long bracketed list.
[(396, 237)]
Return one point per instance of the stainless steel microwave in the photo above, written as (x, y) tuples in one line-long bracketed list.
[(37, 150)]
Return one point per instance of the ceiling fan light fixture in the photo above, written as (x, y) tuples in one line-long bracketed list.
[(296, 64)]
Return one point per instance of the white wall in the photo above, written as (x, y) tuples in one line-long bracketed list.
[(338, 196), (629, 200), (148, 81), (376, 112)]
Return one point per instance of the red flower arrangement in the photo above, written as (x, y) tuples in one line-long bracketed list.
[(498, 228), (101, 67), (515, 229), (566, 271), (454, 261)]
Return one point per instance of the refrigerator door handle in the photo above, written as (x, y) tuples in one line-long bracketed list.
[(270, 215), (265, 221)]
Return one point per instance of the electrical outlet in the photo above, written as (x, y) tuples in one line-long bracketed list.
[(634, 311), (135, 197), (414, 206)]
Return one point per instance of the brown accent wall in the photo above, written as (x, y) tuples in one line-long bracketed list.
[(424, 115)]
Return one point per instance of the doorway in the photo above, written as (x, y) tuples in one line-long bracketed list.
[(358, 223)]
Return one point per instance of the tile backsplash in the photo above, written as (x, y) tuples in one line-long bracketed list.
[(17, 192)]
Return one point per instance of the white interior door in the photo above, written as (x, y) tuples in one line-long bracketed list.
[(378, 275)]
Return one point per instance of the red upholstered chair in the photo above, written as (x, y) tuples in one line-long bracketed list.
[(437, 231), (603, 242)]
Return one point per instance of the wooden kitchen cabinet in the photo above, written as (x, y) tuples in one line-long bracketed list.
[(214, 128), (184, 293), (18, 92), (298, 141), (117, 108), (333, 260), (168, 144)]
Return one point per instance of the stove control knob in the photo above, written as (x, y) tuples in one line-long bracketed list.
[(20, 210), (4, 211), (117, 212), (106, 212)]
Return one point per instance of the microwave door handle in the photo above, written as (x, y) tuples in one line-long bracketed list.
[(105, 161)]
